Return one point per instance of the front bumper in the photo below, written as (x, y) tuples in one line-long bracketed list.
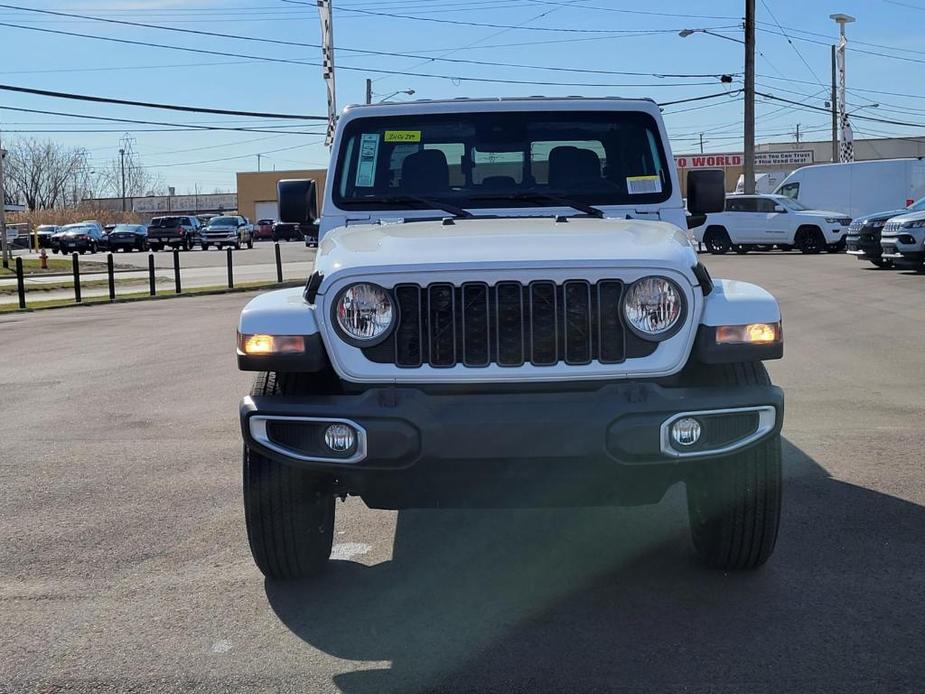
[(220, 239), (424, 449)]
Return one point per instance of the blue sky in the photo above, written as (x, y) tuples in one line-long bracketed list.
[(610, 36)]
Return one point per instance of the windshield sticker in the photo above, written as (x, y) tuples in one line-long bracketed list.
[(402, 135), (366, 167), (640, 185)]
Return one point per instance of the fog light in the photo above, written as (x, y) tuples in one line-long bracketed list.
[(686, 431), (340, 438)]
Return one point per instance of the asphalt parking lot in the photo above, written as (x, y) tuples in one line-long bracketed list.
[(126, 567)]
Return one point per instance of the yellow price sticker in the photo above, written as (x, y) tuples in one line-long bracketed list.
[(402, 136)]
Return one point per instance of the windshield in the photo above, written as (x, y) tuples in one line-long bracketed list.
[(790, 203), (126, 227), (165, 222), (917, 206), (485, 160), (224, 222)]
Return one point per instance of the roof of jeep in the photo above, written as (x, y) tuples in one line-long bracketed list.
[(497, 103)]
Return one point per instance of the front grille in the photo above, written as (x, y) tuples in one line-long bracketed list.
[(892, 227), (855, 227), (509, 324)]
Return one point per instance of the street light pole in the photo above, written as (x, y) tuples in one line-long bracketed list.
[(834, 103), (846, 149), (748, 169), (4, 248), (369, 91), (122, 159)]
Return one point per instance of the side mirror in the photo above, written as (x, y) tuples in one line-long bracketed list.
[(706, 191), (297, 203)]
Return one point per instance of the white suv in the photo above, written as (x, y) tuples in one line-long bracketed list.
[(759, 222), (505, 310)]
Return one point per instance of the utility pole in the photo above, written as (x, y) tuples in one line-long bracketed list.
[(798, 136), (846, 142), (4, 247), (369, 91), (748, 169), (834, 103), (122, 160), (701, 143), (258, 163)]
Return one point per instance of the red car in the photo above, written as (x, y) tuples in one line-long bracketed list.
[(263, 229)]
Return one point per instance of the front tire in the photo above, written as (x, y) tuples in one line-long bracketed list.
[(734, 502), (717, 241), (810, 240), (883, 263), (288, 513)]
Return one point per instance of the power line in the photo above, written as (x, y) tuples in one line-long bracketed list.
[(452, 78), (185, 126), (148, 104), (792, 44), (801, 105), (461, 61)]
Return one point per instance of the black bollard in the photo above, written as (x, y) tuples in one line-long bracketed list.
[(152, 288), (279, 265), (176, 269), (20, 283), (75, 263), (112, 277), (230, 270)]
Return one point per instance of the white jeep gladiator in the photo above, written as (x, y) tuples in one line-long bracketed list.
[(506, 310)]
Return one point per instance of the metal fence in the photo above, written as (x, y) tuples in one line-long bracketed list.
[(21, 288)]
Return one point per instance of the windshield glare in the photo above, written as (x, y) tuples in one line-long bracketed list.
[(224, 222), (485, 160), (790, 203)]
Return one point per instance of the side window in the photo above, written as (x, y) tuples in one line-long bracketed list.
[(734, 205), (765, 205), (791, 190)]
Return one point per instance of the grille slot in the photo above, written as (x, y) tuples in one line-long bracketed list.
[(509, 324)]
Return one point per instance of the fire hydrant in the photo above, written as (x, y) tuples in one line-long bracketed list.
[(43, 260)]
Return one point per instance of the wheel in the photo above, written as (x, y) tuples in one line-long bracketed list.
[(734, 502), (717, 241), (205, 246), (187, 245), (237, 245), (810, 240), (882, 263), (288, 514), (250, 242)]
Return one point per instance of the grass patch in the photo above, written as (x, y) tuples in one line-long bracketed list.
[(145, 296), (6, 290), (32, 266)]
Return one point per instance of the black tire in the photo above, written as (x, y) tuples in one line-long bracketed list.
[(882, 263), (205, 246), (734, 502), (810, 240), (237, 245), (717, 241), (289, 516), (250, 242)]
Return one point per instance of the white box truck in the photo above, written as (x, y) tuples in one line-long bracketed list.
[(858, 188)]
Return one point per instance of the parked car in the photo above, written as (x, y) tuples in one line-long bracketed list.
[(228, 230), (310, 234), (760, 222), (128, 237), (44, 233), (863, 240), (286, 231), (180, 231), (263, 229), (903, 239), (858, 188), (204, 219), (529, 341), (81, 238)]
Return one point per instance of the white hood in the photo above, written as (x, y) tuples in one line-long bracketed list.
[(513, 242)]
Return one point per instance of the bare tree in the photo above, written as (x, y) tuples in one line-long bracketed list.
[(43, 173)]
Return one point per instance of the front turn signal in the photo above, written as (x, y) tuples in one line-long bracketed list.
[(267, 345), (751, 334)]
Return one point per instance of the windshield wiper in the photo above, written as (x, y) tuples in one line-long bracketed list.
[(537, 195), (429, 202)]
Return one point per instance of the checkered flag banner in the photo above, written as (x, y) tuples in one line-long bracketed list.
[(846, 138), (327, 65)]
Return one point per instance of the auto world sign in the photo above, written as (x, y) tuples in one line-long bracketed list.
[(765, 160)]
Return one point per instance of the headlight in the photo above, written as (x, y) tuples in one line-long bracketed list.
[(653, 307), (917, 224), (364, 312)]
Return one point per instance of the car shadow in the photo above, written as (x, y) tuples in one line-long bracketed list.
[(613, 600)]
